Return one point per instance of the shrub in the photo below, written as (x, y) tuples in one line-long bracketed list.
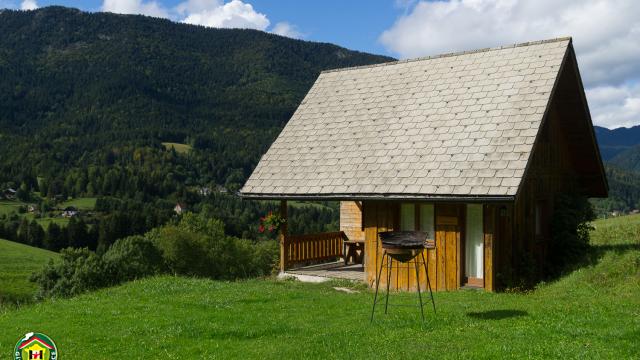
[(132, 258), (570, 228), (198, 246), (81, 270)]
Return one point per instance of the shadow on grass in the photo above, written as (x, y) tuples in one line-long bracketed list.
[(497, 314)]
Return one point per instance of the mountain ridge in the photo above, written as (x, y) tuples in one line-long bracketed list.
[(134, 82), (614, 141)]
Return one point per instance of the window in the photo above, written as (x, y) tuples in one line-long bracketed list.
[(474, 242), (426, 220), (407, 217)]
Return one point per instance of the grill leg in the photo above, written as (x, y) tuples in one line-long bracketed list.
[(418, 284), (389, 268), (426, 270), (375, 298)]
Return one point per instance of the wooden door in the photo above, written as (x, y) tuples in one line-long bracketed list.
[(448, 248)]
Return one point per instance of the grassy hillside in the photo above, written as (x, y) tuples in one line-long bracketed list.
[(17, 262), (591, 313), (83, 204)]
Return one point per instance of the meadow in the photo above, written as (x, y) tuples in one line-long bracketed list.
[(179, 148), (17, 262), (591, 312), (81, 203)]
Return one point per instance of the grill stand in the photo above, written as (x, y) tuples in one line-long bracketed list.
[(389, 261)]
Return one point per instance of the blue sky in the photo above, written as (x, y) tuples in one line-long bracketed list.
[(606, 34), (326, 21)]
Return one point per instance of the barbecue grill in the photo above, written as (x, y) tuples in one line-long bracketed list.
[(403, 246)]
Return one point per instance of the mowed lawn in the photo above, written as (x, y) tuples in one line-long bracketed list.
[(593, 312), (17, 262)]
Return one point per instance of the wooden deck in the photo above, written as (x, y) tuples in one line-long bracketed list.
[(324, 272)]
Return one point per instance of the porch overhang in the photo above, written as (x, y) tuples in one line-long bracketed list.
[(360, 197)]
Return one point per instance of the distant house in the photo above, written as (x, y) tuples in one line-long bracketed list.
[(635, 211), (70, 211), (10, 194), (180, 208), (471, 148)]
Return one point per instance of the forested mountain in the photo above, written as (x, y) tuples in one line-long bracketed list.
[(615, 141), (86, 99), (620, 149), (628, 159)]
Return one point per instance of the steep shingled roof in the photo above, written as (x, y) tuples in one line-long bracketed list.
[(454, 125)]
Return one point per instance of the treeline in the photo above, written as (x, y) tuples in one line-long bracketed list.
[(115, 219), (624, 191), (241, 216)]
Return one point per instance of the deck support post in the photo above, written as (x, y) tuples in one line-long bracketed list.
[(284, 248)]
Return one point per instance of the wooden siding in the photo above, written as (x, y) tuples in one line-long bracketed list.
[(351, 220), (444, 262), (551, 171)]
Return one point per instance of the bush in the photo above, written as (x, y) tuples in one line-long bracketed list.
[(198, 246), (81, 270), (78, 271), (132, 258), (570, 231)]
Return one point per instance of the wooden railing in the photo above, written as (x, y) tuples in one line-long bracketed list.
[(313, 247)]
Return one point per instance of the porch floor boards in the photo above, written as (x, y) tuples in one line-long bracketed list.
[(324, 272)]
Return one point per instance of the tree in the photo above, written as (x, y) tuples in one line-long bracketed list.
[(56, 237), (23, 192)]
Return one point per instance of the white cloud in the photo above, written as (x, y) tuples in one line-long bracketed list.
[(150, 8), (288, 30), (615, 106), (29, 5), (215, 13), (606, 35), (211, 13)]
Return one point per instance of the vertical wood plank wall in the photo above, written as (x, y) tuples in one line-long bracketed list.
[(445, 263), (351, 220), (550, 172)]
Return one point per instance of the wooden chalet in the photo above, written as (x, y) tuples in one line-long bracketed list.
[(469, 147)]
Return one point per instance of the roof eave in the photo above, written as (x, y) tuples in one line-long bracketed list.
[(423, 197)]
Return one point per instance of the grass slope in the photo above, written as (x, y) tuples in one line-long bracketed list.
[(179, 148), (17, 262), (593, 312), (8, 206), (82, 203)]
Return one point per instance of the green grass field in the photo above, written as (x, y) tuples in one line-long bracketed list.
[(593, 312), (7, 207), (17, 262), (180, 148), (83, 203), (45, 221)]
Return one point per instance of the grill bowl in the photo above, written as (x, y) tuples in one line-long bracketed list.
[(403, 239)]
